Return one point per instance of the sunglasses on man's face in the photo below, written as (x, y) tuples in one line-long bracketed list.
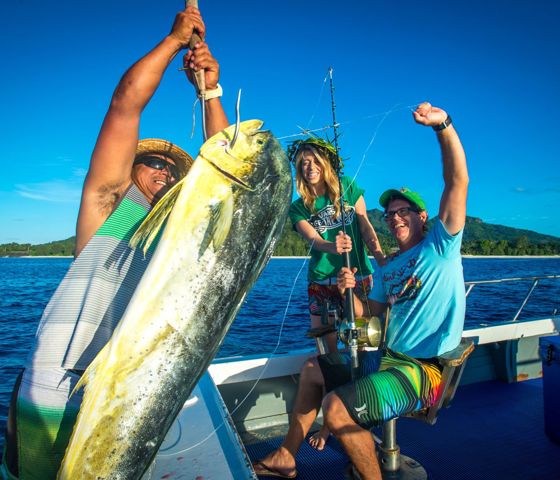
[(401, 212), (158, 163)]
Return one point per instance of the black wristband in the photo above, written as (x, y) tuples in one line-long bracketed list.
[(444, 125)]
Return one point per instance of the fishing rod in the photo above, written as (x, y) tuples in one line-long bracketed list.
[(352, 332), (199, 80)]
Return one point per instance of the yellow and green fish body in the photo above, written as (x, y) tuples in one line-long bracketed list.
[(228, 212)]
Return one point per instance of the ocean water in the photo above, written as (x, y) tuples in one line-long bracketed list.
[(274, 316)]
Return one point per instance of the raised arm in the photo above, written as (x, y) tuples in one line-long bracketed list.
[(453, 203), (201, 58), (110, 168)]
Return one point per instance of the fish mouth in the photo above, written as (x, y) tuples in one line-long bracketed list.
[(252, 139), (231, 177)]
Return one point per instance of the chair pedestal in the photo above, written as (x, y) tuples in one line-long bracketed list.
[(394, 465), (410, 470)]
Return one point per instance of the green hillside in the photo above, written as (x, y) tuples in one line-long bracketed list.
[(480, 238)]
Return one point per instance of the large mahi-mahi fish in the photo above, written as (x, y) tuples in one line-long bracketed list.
[(227, 214)]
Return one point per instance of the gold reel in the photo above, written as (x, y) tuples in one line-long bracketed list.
[(369, 331)]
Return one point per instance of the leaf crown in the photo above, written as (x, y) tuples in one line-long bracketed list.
[(325, 148)]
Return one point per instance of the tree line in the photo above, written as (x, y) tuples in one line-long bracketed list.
[(291, 244)]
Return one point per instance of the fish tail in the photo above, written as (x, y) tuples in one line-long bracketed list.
[(150, 227)]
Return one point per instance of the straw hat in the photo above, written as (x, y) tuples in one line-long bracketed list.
[(182, 159)]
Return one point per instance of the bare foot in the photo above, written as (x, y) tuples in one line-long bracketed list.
[(318, 439), (279, 464)]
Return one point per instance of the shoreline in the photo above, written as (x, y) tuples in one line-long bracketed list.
[(471, 256), (301, 257)]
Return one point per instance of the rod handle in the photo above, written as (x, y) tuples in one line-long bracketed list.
[(195, 38)]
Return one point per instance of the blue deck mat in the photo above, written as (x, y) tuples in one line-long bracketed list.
[(493, 430)]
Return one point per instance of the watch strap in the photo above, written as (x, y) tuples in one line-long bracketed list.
[(444, 125), (216, 92)]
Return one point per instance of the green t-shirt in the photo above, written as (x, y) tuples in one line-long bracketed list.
[(325, 265)]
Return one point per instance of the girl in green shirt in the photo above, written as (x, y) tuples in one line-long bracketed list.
[(316, 216)]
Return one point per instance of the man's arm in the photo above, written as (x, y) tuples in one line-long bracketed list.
[(111, 163), (200, 58), (453, 203), (346, 279)]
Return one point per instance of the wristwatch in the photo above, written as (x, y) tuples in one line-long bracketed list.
[(444, 125), (216, 92)]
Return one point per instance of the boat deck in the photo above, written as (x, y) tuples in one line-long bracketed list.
[(493, 430)]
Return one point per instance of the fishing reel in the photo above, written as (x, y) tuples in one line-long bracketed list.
[(368, 331)]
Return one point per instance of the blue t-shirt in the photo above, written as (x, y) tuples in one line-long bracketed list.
[(426, 289)]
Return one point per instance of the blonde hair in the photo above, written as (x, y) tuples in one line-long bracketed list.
[(329, 176)]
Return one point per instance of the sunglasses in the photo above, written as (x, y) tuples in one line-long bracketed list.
[(401, 212), (158, 163)]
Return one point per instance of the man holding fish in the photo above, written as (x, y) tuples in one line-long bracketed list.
[(424, 286), (126, 178)]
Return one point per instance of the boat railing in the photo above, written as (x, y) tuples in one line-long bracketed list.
[(534, 282)]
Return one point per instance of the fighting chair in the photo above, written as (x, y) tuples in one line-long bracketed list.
[(397, 466), (393, 464), (318, 333)]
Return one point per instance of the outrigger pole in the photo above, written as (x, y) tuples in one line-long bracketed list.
[(198, 76), (352, 333)]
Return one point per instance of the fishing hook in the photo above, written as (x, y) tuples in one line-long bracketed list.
[(237, 120)]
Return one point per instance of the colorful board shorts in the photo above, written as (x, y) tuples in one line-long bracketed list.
[(401, 385), (325, 294), (45, 417)]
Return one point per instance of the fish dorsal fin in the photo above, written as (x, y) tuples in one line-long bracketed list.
[(221, 217), (152, 224)]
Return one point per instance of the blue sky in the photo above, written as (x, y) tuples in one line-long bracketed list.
[(493, 65)]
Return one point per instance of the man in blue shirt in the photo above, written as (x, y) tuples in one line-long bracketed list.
[(423, 283)]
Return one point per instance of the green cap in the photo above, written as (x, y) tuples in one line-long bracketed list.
[(409, 195)]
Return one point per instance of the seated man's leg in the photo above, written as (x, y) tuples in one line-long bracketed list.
[(402, 385), (306, 408), (356, 441)]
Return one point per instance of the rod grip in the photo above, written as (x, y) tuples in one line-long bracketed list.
[(195, 38)]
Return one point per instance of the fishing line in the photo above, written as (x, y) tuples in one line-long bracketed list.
[(384, 115), (318, 101), (264, 367), (194, 117), (373, 137), (306, 131)]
